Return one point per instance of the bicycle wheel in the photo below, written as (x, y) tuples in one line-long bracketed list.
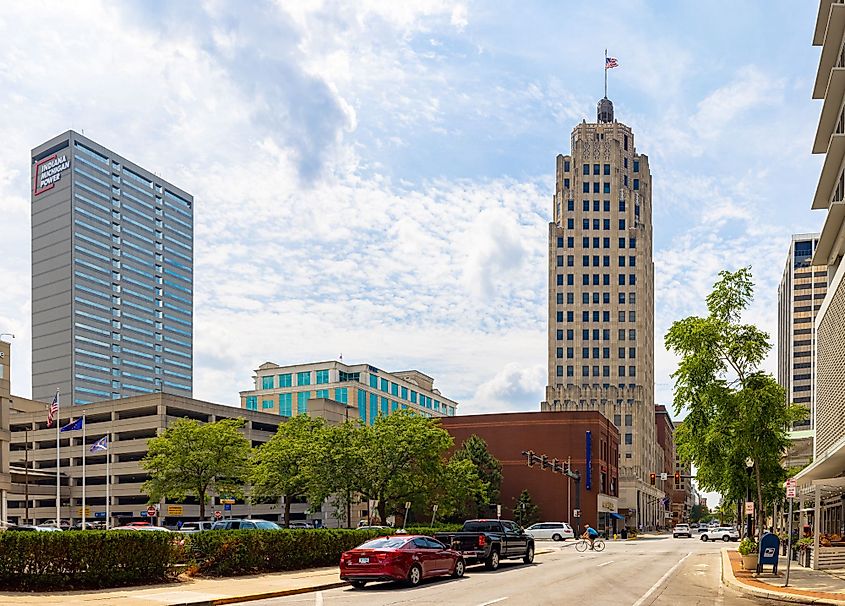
[(581, 545), (598, 545)]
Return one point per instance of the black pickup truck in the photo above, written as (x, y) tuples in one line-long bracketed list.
[(490, 541)]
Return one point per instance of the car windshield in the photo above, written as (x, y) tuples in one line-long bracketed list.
[(384, 543), (265, 525)]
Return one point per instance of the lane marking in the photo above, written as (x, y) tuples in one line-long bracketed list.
[(606, 563), (660, 582), (494, 601), (319, 598)]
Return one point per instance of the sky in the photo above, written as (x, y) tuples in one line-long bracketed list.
[(374, 179)]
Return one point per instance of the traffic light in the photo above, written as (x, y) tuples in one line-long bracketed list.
[(652, 478), (557, 466), (677, 479), (545, 462), (530, 456)]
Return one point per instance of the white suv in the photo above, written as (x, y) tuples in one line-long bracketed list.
[(726, 533), (556, 531), (681, 530)]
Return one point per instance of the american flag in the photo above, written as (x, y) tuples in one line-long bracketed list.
[(610, 62), (54, 410)]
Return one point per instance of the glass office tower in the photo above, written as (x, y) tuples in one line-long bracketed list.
[(112, 276)]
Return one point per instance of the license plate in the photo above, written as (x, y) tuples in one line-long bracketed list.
[(363, 560)]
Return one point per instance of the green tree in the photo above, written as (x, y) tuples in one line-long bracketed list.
[(281, 465), (196, 459), (726, 512), (697, 513), (735, 410), (525, 510), (474, 448), (402, 459), (459, 489)]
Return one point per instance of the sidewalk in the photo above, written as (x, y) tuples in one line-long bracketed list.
[(188, 592), (806, 586)]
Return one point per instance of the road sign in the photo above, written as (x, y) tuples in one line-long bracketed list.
[(749, 508), (99, 514), (664, 476), (498, 511), (791, 488), (87, 512), (407, 504), (227, 501), (434, 507), (227, 507), (217, 515), (576, 513), (152, 511), (175, 510)]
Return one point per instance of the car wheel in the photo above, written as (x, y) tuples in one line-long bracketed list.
[(529, 555), (556, 537), (460, 568), (704, 538), (726, 538), (359, 584), (492, 562), (414, 575)]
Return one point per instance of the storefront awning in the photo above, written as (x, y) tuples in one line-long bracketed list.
[(617, 516), (829, 464)]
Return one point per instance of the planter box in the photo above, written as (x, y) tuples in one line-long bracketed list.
[(749, 562)]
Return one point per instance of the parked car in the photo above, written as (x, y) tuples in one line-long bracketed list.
[(556, 531), (682, 530), (726, 533), (409, 558), (63, 525), (490, 541), (300, 525), (373, 527), (28, 528), (192, 527), (147, 528), (244, 525)]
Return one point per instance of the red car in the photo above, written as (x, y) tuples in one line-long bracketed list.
[(409, 558)]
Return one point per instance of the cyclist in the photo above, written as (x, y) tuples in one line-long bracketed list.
[(591, 534)]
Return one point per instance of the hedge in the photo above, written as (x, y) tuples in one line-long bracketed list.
[(86, 560)]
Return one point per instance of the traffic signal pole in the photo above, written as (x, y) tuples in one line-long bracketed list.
[(564, 468)]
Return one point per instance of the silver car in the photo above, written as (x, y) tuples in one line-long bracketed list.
[(725, 533)]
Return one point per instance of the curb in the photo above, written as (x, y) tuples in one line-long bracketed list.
[(261, 596), (731, 581)]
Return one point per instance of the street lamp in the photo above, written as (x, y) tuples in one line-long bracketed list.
[(749, 465)]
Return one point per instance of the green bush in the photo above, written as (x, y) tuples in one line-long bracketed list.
[(85, 560), (747, 546)]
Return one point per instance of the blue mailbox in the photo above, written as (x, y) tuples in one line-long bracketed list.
[(769, 546)]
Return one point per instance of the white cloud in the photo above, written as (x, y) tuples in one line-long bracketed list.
[(513, 388)]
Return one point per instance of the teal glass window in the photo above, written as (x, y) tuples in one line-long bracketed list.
[(322, 393), (362, 405), (404, 393), (285, 404), (285, 380), (437, 405), (374, 381), (252, 402), (385, 385), (413, 397), (394, 389), (302, 402), (373, 408), (341, 394), (394, 405), (303, 378), (322, 377), (384, 407), (267, 382), (266, 404)]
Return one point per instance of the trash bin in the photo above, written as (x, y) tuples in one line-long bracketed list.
[(624, 533)]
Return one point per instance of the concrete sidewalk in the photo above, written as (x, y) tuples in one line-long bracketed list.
[(806, 586), (196, 592)]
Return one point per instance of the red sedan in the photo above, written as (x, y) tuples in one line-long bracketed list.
[(407, 558)]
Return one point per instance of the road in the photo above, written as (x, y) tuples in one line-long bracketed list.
[(645, 572)]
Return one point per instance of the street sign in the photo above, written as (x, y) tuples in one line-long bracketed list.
[(434, 507), (175, 510), (227, 507), (498, 511), (152, 511), (791, 488), (664, 476), (227, 501), (217, 515), (87, 512), (749, 508), (576, 513), (99, 514), (407, 504)]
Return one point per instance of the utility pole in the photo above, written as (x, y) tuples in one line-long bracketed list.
[(563, 468)]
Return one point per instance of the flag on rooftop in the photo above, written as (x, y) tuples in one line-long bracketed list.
[(610, 62), (100, 445), (73, 425)]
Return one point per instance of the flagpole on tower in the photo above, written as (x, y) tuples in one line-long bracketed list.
[(605, 73)]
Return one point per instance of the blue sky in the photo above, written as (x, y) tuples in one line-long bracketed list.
[(374, 178)]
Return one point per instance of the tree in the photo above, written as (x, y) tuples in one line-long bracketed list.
[(281, 465), (735, 410), (459, 489), (195, 459), (402, 459), (698, 512), (489, 468), (525, 510), (726, 512)]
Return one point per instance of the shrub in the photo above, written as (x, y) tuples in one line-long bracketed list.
[(747, 546), (85, 560)]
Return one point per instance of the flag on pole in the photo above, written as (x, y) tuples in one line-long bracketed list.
[(610, 62), (100, 445), (73, 425), (54, 410)]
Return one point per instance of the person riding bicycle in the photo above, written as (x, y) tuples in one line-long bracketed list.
[(591, 534)]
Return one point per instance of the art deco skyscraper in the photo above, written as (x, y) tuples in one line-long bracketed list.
[(601, 299)]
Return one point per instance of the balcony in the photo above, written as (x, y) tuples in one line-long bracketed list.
[(831, 47)]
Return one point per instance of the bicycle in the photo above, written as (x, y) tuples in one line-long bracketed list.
[(583, 545)]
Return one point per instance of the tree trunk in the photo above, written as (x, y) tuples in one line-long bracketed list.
[(382, 510), (202, 505), (348, 509), (287, 510)]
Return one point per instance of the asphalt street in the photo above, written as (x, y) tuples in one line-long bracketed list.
[(659, 571)]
